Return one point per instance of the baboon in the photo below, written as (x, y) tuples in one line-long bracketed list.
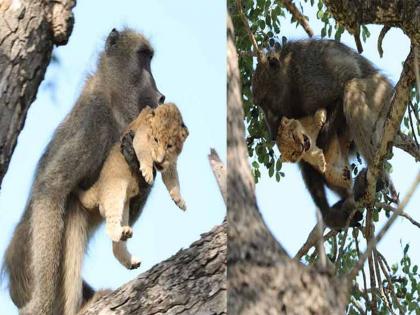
[(44, 257), (301, 77)]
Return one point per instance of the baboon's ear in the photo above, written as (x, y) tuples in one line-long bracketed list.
[(112, 39)]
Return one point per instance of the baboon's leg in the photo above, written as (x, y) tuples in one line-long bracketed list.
[(75, 240)]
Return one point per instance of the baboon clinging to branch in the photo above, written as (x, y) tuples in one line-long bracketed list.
[(45, 255), (301, 77)]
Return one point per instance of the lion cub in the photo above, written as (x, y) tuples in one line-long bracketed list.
[(159, 135), (296, 140)]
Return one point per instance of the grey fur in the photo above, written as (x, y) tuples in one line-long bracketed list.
[(112, 97), (304, 76)]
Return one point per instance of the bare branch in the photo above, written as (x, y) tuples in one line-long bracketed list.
[(311, 241), (372, 243), (406, 144), (381, 36), (259, 53), (403, 214), (299, 17), (219, 172), (321, 248)]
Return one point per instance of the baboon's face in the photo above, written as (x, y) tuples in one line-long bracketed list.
[(292, 140), (132, 56), (267, 79)]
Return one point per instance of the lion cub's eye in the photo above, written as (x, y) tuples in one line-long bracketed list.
[(169, 146), (156, 140)]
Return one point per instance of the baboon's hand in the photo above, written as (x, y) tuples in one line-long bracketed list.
[(147, 172), (176, 197), (119, 233)]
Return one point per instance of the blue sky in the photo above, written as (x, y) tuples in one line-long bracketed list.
[(287, 207), (189, 38)]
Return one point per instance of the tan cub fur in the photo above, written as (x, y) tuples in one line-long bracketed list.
[(296, 140), (159, 135)]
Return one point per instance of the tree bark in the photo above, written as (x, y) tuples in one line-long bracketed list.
[(262, 278), (404, 14), (28, 31), (191, 282)]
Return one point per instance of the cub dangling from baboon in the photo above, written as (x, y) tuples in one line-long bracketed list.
[(302, 77), (159, 135), (296, 140), (45, 255)]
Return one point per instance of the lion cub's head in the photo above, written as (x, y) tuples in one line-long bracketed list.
[(166, 133), (292, 140)]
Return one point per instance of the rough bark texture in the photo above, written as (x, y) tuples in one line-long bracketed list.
[(28, 31), (262, 279), (404, 14), (191, 282)]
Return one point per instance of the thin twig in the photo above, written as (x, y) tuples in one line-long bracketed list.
[(372, 243), (358, 306), (321, 248), (219, 172), (416, 68), (403, 214), (405, 143), (369, 236), (415, 113), (382, 264), (381, 36), (366, 295), (248, 30), (311, 241), (299, 17), (412, 126), (384, 296), (358, 42)]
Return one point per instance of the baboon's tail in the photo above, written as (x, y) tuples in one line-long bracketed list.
[(75, 239)]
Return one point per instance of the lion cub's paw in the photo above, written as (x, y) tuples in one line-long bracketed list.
[(134, 263), (321, 164), (119, 233), (147, 172)]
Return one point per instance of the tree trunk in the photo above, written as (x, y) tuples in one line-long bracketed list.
[(191, 282), (28, 31), (262, 278)]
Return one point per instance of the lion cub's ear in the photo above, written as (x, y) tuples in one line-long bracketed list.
[(184, 132)]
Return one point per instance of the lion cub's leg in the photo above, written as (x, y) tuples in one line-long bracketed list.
[(316, 158), (338, 170), (112, 201), (120, 248), (170, 179), (143, 149)]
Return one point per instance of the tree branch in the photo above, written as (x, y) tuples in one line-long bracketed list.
[(262, 279), (219, 172), (299, 17), (404, 14), (191, 282), (26, 41), (372, 243)]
